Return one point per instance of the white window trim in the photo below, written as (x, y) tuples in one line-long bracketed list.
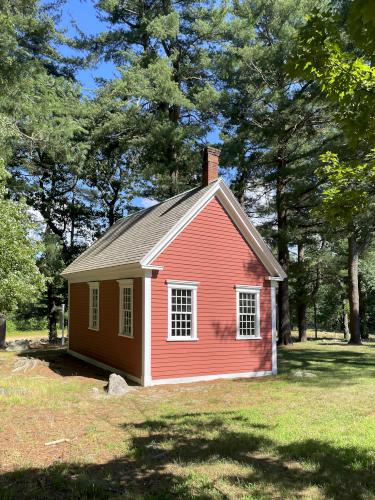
[(248, 289), (125, 284), (93, 285), (184, 285)]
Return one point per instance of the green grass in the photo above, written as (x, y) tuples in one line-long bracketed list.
[(26, 334), (284, 437)]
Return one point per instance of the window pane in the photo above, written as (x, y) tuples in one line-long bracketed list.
[(94, 307), (127, 311), (181, 312), (247, 314)]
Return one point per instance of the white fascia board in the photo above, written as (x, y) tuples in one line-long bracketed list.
[(110, 273), (250, 233), (180, 226)]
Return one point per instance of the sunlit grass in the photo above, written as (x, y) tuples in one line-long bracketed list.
[(26, 334)]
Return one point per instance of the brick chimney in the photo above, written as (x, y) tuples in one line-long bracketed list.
[(210, 165)]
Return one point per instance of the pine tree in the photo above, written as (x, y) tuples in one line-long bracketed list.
[(274, 126), (162, 50)]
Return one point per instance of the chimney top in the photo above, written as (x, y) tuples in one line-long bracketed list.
[(210, 165)]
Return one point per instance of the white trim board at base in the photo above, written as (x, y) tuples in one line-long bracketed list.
[(103, 366), (206, 378)]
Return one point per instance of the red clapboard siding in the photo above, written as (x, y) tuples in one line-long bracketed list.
[(106, 345), (213, 252)]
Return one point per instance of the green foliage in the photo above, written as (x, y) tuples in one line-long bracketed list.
[(348, 188), (336, 50), (20, 279), (166, 90)]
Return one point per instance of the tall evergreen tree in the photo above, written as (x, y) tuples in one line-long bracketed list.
[(274, 125), (162, 50)]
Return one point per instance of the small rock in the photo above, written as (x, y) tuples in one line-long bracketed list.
[(117, 385), (3, 391), (303, 374)]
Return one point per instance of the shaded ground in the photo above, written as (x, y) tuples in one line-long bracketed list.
[(281, 437)]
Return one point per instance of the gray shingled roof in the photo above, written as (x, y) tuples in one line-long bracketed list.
[(130, 239)]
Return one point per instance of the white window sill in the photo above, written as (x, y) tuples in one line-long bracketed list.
[(126, 336), (249, 337), (173, 339), (93, 329)]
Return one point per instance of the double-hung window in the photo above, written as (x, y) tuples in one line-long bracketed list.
[(126, 308), (94, 305), (182, 310), (248, 312)]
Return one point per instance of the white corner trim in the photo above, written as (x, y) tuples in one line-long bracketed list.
[(152, 268), (274, 278), (146, 328), (206, 378), (274, 332), (103, 366), (256, 291)]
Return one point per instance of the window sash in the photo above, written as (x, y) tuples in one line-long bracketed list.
[(126, 309), (182, 310), (248, 313), (94, 306)]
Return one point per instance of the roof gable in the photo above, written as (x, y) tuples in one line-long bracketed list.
[(140, 238), (238, 217)]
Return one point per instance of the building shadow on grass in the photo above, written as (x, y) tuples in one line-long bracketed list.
[(164, 450), (62, 363)]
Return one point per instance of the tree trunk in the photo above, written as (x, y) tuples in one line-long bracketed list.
[(301, 299), (354, 323), (3, 331), (363, 307), (345, 321), (285, 336), (315, 320), (52, 316)]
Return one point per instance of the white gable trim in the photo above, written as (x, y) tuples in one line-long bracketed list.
[(180, 226), (238, 216)]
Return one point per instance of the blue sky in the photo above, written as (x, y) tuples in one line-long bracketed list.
[(82, 12)]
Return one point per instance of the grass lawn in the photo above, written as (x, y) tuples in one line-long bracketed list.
[(27, 334), (283, 437)]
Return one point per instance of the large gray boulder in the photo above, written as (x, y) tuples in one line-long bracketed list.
[(117, 385)]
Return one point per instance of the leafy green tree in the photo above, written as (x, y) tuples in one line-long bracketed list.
[(336, 49), (20, 279), (274, 126), (349, 202)]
